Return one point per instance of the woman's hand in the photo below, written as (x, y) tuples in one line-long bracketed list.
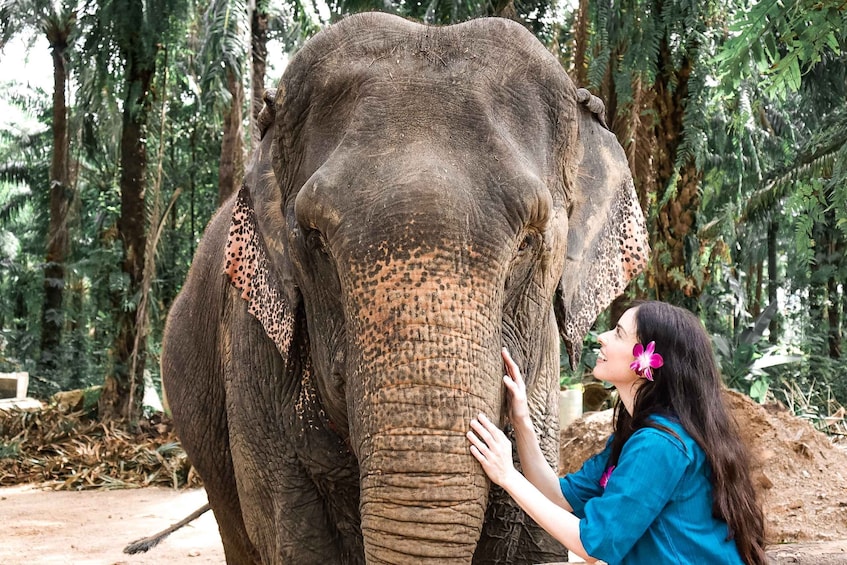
[(518, 405), (492, 449)]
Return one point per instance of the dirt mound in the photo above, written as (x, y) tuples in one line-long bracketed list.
[(800, 475)]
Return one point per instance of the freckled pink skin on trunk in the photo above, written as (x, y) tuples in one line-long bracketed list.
[(427, 339)]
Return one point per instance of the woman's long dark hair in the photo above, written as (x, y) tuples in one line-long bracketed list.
[(688, 388)]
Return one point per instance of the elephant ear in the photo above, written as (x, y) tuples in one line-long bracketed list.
[(250, 261), (607, 237)]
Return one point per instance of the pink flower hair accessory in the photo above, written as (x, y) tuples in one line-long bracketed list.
[(646, 360)]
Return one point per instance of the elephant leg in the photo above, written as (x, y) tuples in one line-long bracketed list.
[(223, 497), (194, 385), (289, 519)]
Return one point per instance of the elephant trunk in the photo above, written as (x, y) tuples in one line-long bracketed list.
[(420, 503), (425, 371)]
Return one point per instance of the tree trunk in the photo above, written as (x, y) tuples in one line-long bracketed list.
[(817, 294), (119, 398), (834, 318), (231, 169), (192, 188), (756, 307), (773, 281), (834, 246), (675, 245), (57, 238), (580, 39), (650, 129), (259, 56), (77, 332)]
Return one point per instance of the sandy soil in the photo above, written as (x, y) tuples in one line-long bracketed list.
[(44, 527), (92, 527)]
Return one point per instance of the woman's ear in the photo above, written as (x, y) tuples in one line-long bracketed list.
[(607, 237)]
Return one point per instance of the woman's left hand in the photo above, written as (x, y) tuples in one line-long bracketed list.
[(492, 449)]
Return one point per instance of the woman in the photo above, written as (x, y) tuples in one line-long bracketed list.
[(673, 483)]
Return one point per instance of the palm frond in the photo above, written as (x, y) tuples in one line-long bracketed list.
[(224, 49), (817, 161)]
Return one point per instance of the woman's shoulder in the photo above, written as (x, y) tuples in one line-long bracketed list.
[(666, 432)]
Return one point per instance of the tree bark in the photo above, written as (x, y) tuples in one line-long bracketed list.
[(834, 319), (231, 169), (258, 56), (58, 29), (675, 246), (834, 245), (120, 386), (756, 306), (773, 281), (580, 39), (817, 293)]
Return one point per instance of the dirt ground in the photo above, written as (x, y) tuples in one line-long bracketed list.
[(92, 527), (801, 476)]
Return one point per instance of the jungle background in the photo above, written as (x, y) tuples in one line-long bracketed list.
[(733, 116)]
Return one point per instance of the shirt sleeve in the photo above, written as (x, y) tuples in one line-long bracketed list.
[(648, 471), (583, 485)]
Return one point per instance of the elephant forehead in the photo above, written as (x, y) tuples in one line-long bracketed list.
[(477, 95), (434, 117), (413, 196)]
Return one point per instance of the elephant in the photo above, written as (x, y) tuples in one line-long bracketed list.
[(421, 197)]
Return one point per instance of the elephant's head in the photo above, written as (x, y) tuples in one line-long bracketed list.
[(438, 192)]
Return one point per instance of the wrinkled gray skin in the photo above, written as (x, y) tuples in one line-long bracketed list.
[(421, 197)]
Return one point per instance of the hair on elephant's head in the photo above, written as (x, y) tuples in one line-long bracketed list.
[(438, 193)]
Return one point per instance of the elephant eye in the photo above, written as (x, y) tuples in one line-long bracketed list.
[(317, 242), (527, 242)]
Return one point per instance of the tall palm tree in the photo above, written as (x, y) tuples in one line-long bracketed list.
[(136, 31), (224, 55), (259, 22), (58, 25), (57, 20)]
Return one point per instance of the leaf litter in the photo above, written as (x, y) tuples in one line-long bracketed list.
[(74, 451)]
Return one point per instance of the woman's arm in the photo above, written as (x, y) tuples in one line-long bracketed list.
[(557, 521), (493, 450), (534, 464)]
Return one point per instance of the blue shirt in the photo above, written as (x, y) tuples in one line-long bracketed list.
[(657, 504)]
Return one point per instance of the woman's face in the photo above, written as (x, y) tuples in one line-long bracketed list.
[(615, 354)]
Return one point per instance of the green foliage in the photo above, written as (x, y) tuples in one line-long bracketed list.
[(587, 360), (224, 49), (782, 41), (743, 360), (24, 163)]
